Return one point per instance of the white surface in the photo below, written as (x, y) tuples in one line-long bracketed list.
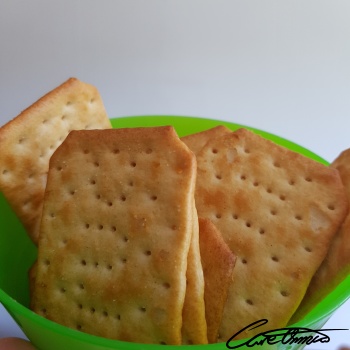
[(282, 66)]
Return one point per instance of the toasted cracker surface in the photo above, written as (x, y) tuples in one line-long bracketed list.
[(218, 263), (197, 140), (28, 141), (277, 211), (115, 234), (336, 266)]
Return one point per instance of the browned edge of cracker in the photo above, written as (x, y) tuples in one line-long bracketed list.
[(218, 263)]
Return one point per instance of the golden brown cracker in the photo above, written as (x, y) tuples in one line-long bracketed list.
[(218, 263), (278, 211), (336, 266), (28, 141), (115, 234), (197, 140)]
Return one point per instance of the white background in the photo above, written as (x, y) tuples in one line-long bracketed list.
[(281, 66)]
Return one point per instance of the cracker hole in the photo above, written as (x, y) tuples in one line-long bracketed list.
[(308, 249), (131, 183), (92, 310), (21, 140), (273, 212), (133, 164), (68, 103), (149, 150), (282, 197), (219, 177), (122, 198), (92, 100), (166, 285), (284, 293), (244, 261), (100, 227), (249, 302), (97, 164), (59, 168), (93, 182), (118, 317), (275, 258), (109, 267), (291, 182), (114, 229), (248, 224), (81, 286), (218, 216), (109, 203), (79, 327), (83, 262), (116, 151), (154, 198), (52, 215), (142, 309), (72, 192), (214, 150), (261, 231), (87, 226), (43, 311), (174, 227), (126, 239), (235, 216), (308, 179), (96, 264), (62, 290), (63, 117), (276, 164), (255, 183), (105, 313), (124, 260), (47, 262), (86, 151), (98, 196), (80, 306), (269, 190), (331, 207), (247, 150), (243, 177), (148, 253), (298, 217), (5, 171), (162, 343), (44, 121)]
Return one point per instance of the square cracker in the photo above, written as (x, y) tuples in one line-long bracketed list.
[(115, 234), (197, 140), (218, 263), (28, 141), (278, 211), (336, 266)]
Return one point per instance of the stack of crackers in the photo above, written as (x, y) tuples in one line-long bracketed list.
[(147, 237)]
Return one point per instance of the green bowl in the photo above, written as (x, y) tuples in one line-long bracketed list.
[(17, 253)]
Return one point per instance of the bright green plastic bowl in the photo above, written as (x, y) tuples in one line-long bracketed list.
[(17, 253)]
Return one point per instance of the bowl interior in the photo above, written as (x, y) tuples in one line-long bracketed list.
[(17, 254)]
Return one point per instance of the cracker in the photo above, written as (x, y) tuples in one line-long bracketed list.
[(336, 266), (277, 211), (197, 140), (194, 326), (28, 141), (218, 263), (115, 234)]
